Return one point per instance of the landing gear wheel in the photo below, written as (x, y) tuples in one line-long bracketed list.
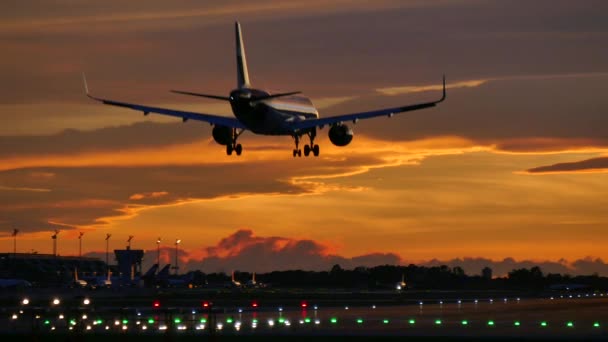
[(315, 150), (295, 152), (299, 153), (229, 150), (306, 150), (238, 149)]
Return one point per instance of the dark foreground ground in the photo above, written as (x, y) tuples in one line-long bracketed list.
[(281, 316)]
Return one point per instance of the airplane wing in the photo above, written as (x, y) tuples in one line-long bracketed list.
[(185, 116), (354, 117)]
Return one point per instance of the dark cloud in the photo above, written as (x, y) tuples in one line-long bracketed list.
[(600, 163), (138, 135), (82, 195)]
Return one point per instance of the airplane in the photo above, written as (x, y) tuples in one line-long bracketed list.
[(233, 282), (261, 112), (402, 284), (252, 283), (78, 282)]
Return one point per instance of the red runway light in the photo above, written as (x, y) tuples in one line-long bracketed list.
[(304, 305), (156, 304), (254, 304)]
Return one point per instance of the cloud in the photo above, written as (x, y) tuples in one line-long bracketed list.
[(154, 194), (589, 165), (244, 251), (417, 89)]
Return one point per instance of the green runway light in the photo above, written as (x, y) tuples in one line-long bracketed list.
[(438, 322), (516, 323), (125, 321), (281, 320), (151, 321), (334, 320), (491, 323), (99, 321), (385, 321), (177, 321), (412, 321), (570, 324), (543, 324), (47, 322), (229, 320), (306, 320), (360, 321), (596, 325), (254, 321), (465, 322), (203, 320), (72, 322)]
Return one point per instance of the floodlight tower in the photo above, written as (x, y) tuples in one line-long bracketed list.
[(158, 251), (108, 250), (15, 232), (54, 237), (176, 267), (80, 234)]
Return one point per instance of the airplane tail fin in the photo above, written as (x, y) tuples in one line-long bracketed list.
[(233, 276), (241, 60), (253, 278)]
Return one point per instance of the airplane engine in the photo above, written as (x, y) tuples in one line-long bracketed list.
[(222, 135), (340, 135)]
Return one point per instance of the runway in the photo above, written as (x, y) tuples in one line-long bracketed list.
[(585, 317)]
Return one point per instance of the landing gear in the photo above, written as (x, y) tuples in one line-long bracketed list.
[(312, 147), (238, 148), (297, 151), (233, 146)]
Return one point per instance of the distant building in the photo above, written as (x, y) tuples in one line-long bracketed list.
[(129, 263), (486, 273), (48, 269)]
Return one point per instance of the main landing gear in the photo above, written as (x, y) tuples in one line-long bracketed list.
[(312, 147), (233, 146)]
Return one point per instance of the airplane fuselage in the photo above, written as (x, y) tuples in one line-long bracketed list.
[(272, 116)]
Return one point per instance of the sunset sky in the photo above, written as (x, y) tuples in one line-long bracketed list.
[(512, 168)]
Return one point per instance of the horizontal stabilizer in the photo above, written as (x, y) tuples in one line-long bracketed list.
[(216, 97), (273, 96)]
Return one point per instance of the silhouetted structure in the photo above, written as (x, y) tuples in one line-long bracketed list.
[(486, 273), (129, 263), (48, 269)]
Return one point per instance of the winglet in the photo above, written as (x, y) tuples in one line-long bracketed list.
[(444, 93), (86, 86)]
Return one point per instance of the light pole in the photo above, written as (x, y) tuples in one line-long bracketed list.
[(54, 237), (158, 251), (108, 250), (129, 241), (80, 244), (177, 242), (15, 232)]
